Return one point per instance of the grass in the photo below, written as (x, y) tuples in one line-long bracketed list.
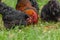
[(40, 31)]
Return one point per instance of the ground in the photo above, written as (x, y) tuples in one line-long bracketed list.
[(40, 31)]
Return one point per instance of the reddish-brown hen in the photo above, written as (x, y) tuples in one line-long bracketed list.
[(26, 6)]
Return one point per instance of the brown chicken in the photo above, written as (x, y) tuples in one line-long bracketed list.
[(26, 6)]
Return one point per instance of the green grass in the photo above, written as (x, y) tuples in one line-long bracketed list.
[(36, 32)]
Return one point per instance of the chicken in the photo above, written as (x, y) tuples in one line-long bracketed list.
[(26, 6), (12, 17), (51, 11)]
